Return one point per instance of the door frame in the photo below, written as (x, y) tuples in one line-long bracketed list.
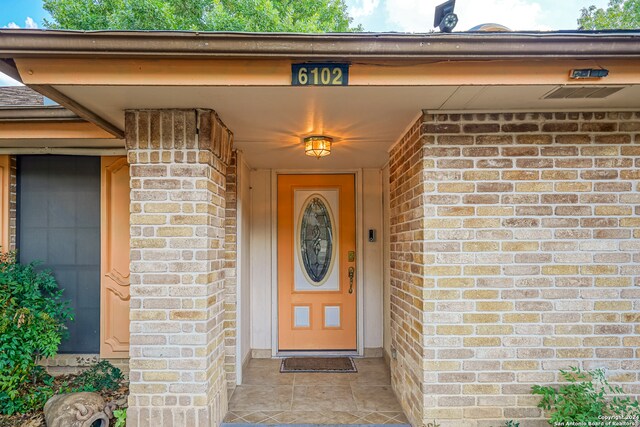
[(357, 173)]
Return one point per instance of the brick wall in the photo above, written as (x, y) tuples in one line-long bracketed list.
[(406, 213), (231, 292), (531, 251), (178, 164)]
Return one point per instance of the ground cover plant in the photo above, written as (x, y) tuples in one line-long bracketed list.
[(33, 314), (587, 399)]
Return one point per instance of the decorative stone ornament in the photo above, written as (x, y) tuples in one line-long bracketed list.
[(77, 410)]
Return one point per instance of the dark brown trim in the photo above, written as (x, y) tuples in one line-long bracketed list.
[(8, 67), (29, 114), (79, 109), (434, 46)]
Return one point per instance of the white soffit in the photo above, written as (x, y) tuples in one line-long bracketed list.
[(532, 98), (269, 122)]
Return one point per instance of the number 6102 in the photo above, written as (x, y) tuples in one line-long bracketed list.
[(320, 76)]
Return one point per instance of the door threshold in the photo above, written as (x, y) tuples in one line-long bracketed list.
[(316, 353)]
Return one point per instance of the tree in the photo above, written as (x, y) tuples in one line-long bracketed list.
[(305, 16), (620, 14)]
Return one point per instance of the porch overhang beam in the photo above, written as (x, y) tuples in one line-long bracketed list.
[(8, 67), (83, 112)]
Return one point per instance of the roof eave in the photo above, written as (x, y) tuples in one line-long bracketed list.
[(392, 46)]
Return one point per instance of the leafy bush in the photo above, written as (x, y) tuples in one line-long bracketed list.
[(32, 324), (100, 376), (120, 416), (584, 400)]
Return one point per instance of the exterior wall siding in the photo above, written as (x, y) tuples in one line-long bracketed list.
[(529, 247), (178, 161)]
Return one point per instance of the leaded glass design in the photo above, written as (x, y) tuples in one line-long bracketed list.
[(316, 239)]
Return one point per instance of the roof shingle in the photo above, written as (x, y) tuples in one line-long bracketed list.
[(19, 96)]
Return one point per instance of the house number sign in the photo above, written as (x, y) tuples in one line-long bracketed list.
[(320, 74)]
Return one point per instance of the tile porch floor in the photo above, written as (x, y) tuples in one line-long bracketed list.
[(269, 397)]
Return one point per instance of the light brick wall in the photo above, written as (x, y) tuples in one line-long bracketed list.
[(530, 246), (407, 214), (231, 293), (178, 164)]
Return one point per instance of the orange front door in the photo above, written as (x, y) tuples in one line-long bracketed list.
[(316, 262)]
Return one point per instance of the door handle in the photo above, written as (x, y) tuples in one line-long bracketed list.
[(352, 273)]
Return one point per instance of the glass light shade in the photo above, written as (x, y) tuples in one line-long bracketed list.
[(318, 146)]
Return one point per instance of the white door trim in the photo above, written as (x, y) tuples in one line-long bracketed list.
[(274, 255)]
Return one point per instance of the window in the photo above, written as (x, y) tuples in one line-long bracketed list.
[(59, 225)]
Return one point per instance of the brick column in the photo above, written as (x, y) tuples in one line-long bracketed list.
[(178, 163)]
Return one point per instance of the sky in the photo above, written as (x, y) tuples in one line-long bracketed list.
[(415, 16), (521, 15)]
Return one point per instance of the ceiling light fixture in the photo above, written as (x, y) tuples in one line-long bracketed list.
[(317, 145)]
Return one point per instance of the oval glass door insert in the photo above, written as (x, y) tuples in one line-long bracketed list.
[(316, 240)]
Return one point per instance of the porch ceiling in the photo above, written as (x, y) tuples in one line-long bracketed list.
[(269, 122)]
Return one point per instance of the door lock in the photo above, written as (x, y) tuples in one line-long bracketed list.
[(352, 273)]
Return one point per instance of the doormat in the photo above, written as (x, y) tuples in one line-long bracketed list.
[(318, 364)]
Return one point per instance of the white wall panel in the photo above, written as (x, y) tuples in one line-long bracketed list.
[(260, 259), (244, 248), (372, 219)]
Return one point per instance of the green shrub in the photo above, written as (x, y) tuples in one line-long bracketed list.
[(100, 376), (587, 399), (120, 415), (32, 324)]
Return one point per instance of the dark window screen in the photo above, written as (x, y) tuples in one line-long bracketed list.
[(59, 225)]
